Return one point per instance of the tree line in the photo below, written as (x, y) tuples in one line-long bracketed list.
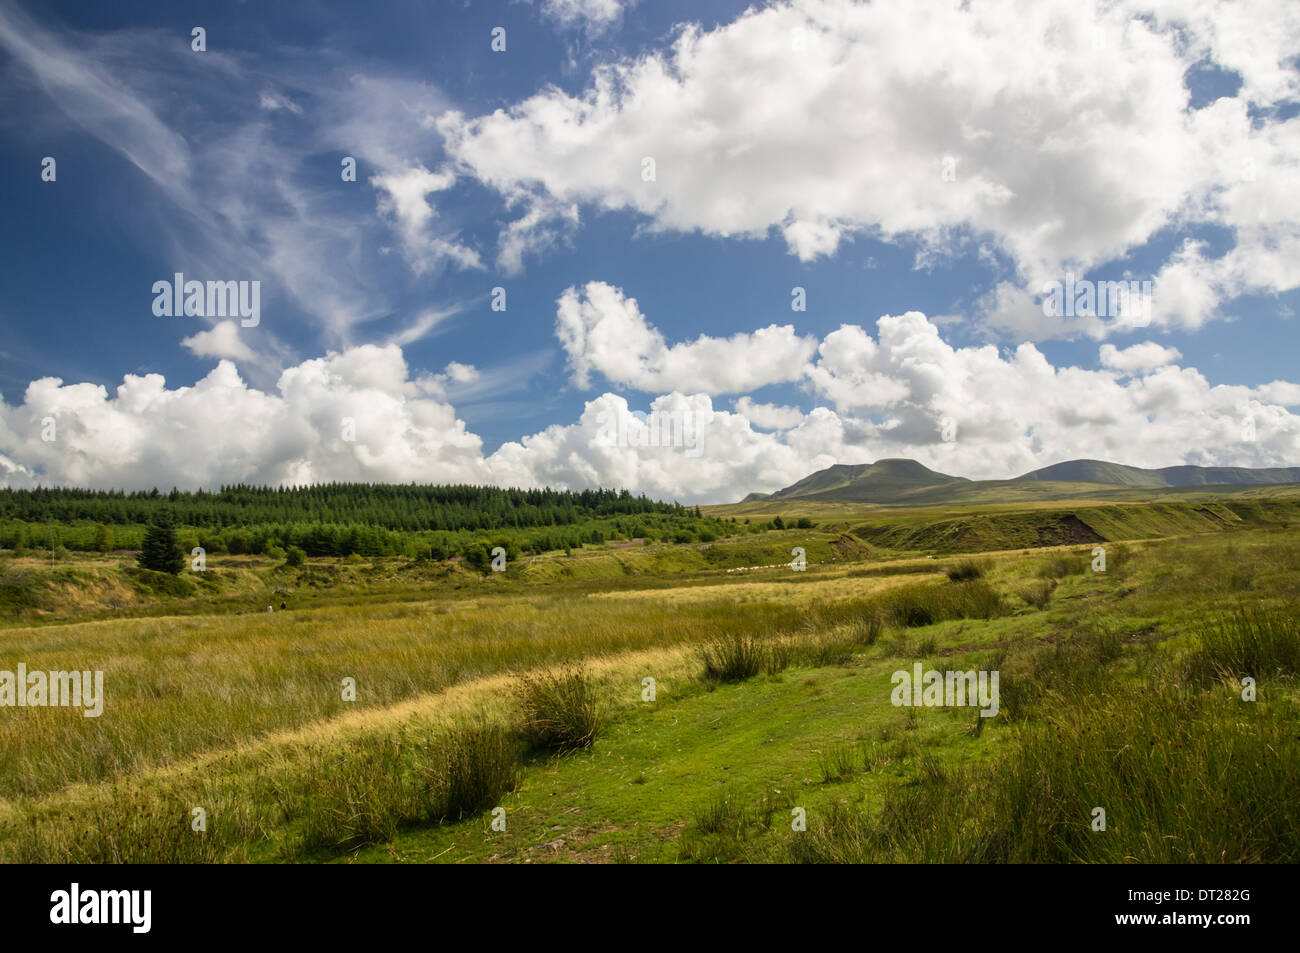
[(405, 507), (346, 520)]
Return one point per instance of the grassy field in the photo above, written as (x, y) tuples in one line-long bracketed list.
[(681, 703)]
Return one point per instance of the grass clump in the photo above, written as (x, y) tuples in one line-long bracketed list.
[(965, 571), (1037, 594), (838, 763), (559, 710), (737, 657), (369, 792), (1255, 642), (1060, 565), (925, 604)]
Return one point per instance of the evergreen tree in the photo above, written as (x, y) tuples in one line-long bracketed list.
[(160, 551)]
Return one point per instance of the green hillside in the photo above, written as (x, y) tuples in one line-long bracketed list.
[(1099, 471), (907, 482), (883, 481), (980, 532)]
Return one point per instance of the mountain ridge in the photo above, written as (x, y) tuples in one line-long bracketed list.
[(901, 480)]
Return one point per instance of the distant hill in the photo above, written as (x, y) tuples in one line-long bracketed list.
[(907, 481), (1117, 474), (884, 481)]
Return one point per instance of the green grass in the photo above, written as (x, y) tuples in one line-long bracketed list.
[(1250, 642), (1119, 689)]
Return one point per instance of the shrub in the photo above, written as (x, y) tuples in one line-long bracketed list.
[(294, 556)]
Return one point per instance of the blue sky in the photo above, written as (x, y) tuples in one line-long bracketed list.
[(799, 145)]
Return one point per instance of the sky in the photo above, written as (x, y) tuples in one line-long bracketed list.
[(692, 249)]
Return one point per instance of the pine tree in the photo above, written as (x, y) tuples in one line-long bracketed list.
[(160, 551)]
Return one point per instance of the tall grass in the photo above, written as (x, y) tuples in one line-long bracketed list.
[(1255, 642), (927, 603), (1076, 664), (317, 801), (559, 710), (736, 658), (1184, 777), (1059, 565), (177, 687), (965, 570)]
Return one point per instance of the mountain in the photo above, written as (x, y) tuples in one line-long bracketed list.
[(884, 481), (1098, 471), (907, 481)]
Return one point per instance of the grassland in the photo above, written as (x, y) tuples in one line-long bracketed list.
[(507, 717)]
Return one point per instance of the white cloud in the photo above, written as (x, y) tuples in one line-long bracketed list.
[(604, 332), (1065, 127), (272, 101), (405, 199), (221, 430), (769, 416), (1138, 358), (888, 396), (221, 342), (595, 16), (1015, 412)]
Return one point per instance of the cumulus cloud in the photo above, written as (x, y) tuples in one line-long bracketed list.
[(1059, 130), (887, 395), (222, 341), (1138, 358), (769, 416), (604, 332), (221, 430), (1014, 411)]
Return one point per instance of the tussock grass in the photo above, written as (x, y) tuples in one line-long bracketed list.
[(1252, 641), (1179, 775), (723, 814), (325, 801), (839, 762), (559, 710), (1060, 565), (925, 604), (1075, 664), (965, 570), (736, 658), (1037, 594)]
